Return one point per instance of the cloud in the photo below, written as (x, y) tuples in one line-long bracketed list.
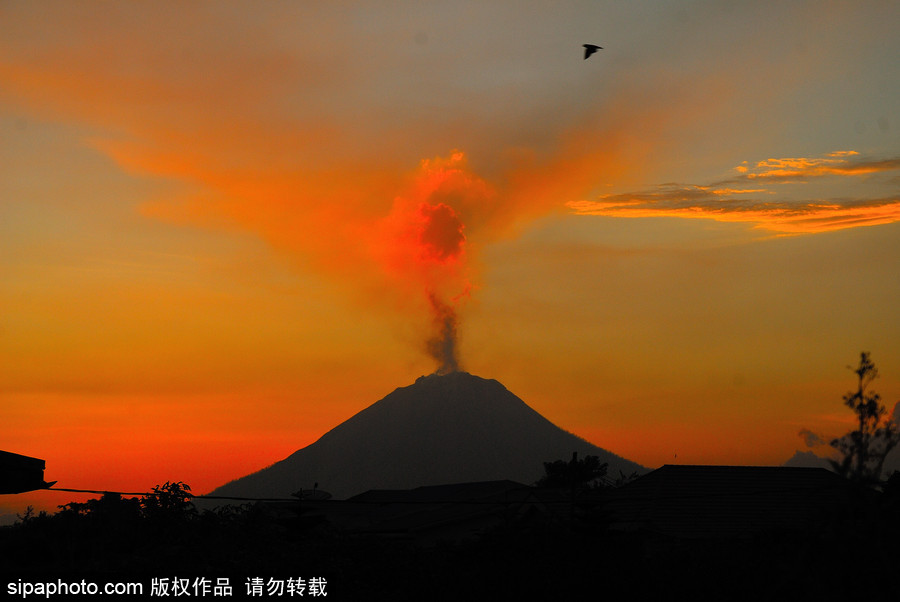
[(738, 200), (321, 150), (269, 121), (807, 459), (838, 163), (811, 439)]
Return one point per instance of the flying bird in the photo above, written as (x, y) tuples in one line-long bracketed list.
[(590, 49)]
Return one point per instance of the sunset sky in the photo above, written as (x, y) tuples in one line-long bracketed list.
[(226, 227)]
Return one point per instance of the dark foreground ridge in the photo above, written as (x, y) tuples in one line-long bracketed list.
[(444, 428), (708, 532)]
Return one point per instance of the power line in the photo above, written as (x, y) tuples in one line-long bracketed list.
[(190, 495), (384, 502)]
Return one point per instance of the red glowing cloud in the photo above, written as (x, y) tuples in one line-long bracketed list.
[(420, 246), (421, 243), (441, 234)]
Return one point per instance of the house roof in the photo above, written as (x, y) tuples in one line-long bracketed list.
[(456, 508), (20, 473), (432, 513), (455, 492), (726, 501)]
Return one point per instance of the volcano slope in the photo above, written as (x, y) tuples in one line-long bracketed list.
[(449, 428)]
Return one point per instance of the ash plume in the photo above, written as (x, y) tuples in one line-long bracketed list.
[(442, 346)]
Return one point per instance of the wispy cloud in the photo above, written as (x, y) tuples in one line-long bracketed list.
[(838, 163), (811, 439), (755, 195)]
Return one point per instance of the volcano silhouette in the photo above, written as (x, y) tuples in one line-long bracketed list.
[(449, 428)]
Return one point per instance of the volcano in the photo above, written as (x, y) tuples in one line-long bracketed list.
[(444, 428)]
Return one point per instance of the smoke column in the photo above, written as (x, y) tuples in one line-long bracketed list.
[(442, 347), (421, 245)]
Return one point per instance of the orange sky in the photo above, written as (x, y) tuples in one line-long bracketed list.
[(223, 227)]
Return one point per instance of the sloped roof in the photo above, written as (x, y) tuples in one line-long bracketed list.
[(439, 507), (432, 513), (19, 473), (727, 501), (454, 492)]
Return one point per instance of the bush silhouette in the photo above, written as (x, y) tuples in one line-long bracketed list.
[(864, 449)]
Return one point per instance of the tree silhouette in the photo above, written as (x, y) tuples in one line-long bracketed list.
[(110, 508), (169, 501), (575, 474), (863, 450)]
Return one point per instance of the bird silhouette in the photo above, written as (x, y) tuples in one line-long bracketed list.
[(590, 49)]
